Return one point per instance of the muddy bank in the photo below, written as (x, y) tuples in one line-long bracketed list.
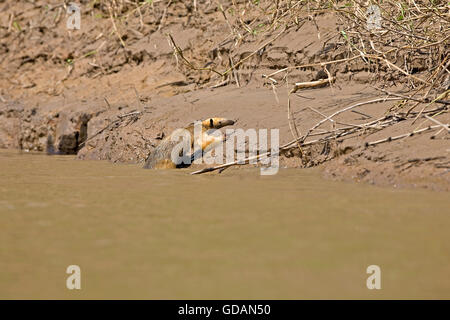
[(105, 94), (127, 133)]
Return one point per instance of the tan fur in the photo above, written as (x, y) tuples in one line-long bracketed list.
[(160, 158)]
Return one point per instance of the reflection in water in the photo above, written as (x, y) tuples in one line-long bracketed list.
[(166, 234)]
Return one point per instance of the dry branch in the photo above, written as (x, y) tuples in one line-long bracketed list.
[(312, 84), (410, 134)]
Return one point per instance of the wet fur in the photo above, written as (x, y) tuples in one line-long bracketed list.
[(160, 157)]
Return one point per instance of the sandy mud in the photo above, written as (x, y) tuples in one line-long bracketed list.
[(132, 74)]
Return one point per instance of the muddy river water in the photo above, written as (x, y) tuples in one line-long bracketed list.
[(139, 233)]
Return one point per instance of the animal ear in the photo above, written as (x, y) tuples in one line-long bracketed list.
[(211, 123)]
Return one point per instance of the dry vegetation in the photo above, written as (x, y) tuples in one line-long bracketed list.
[(395, 42), (400, 41)]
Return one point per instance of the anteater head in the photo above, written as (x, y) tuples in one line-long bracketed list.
[(217, 123)]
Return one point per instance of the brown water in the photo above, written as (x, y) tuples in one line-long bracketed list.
[(166, 234)]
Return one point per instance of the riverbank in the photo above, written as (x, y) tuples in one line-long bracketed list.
[(112, 89)]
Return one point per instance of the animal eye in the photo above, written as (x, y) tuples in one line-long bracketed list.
[(211, 122)]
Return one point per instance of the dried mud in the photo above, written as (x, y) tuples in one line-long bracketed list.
[(100, 100)]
